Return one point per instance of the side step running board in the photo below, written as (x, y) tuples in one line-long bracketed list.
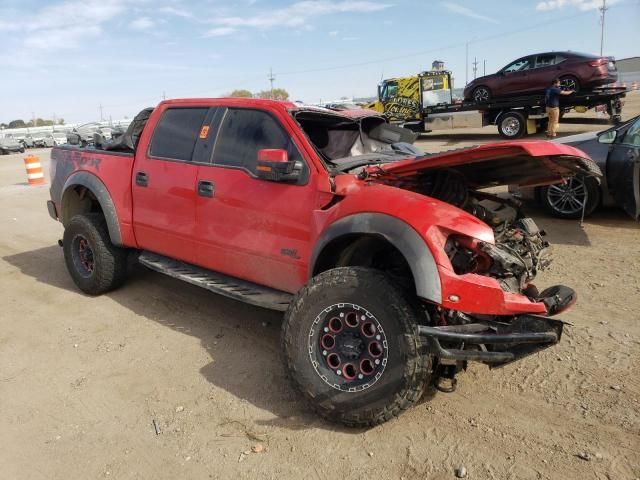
[(218, 283)]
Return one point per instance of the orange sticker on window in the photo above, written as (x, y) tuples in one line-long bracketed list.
[(204, 131)]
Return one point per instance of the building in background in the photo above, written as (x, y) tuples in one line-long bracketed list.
[(628, 70)]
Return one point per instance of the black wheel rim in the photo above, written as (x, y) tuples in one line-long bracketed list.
[(481, 95), (348, 347), (568, 83), (83, 257), (568, 198)]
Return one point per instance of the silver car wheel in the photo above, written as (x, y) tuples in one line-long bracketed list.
[(568, 198)]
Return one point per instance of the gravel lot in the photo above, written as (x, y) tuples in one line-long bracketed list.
[(82, 380)]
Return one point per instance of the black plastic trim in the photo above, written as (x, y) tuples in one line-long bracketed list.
[(51, 208), (95, 185), (400, 235)]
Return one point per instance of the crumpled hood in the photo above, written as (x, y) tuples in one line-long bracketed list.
[(524, 163)]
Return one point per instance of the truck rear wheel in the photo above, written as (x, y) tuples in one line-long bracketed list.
[(351, 347), (94, 263), (512, 125)]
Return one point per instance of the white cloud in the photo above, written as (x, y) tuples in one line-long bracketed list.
[(580, 4), (62, 38), (220, 32), (66, 24), (333, 33), (176, 11), (298, 13), (142, 23), (467, 12)]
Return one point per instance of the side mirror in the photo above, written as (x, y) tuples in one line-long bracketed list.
[(274, 165), (608, 137)]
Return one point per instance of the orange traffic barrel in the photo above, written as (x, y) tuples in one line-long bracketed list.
[(35, 176), (634, 85)]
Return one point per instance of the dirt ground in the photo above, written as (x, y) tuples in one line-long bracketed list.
[(83, 380)]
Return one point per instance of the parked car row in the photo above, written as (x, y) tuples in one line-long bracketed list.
[(35, 140)]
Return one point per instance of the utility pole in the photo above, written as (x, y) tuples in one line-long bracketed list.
[(101, 117), (603, 9), (475, 67), (271, 79), (466, 64)]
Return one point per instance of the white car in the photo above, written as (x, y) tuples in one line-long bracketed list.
[(60, 138)]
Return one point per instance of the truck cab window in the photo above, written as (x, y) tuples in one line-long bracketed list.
[(390, 90), (243, 132), (176, 134)]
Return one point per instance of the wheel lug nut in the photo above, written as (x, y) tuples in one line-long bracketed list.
[(377, 361), (324, 352), (326, 329), (377, 337), (338, 372), (360, 376)]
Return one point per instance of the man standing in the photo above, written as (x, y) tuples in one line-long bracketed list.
[(552, 101)]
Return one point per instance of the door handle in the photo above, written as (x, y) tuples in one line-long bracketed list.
[(205, 188), (142, 179)]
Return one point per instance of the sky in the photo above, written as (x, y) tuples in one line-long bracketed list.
[(70, 57)]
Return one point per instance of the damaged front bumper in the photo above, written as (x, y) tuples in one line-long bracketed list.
[(493, 343)]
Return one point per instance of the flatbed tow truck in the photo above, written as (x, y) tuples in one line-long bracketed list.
[(424, 103)]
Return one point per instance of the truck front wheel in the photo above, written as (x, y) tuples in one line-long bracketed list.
[(351, 347), (94, 263)]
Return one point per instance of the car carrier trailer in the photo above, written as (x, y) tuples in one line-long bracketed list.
[(424, 103)]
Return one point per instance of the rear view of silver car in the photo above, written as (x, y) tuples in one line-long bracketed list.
[(10, 145)]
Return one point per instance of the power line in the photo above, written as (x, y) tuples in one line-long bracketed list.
[(271, 79), (603, 9)]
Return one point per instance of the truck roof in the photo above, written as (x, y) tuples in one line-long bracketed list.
[(245, 102)]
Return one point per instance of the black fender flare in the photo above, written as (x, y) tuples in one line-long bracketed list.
[(400, 235), (92, 183)]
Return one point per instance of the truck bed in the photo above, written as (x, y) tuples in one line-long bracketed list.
[(588, 99)]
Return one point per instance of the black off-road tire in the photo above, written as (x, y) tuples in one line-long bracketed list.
[(109, 262), (407, 371)]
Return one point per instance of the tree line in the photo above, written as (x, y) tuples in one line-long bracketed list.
[(39, 122), (275, 94)]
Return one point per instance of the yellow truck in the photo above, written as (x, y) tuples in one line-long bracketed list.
[(424, 103)]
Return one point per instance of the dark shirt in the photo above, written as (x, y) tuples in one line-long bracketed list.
[(552, 97)]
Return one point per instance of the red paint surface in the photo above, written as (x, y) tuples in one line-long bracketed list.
[(265, 232)]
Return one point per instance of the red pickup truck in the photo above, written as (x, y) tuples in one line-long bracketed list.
[(395, 268)]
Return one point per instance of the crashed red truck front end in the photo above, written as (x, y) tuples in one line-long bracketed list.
[(485, 251)]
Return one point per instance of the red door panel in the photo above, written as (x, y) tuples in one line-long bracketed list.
[(164, 210), (255, 229), (164, 184)]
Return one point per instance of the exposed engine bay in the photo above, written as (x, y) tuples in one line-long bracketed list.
[(520, 251)]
